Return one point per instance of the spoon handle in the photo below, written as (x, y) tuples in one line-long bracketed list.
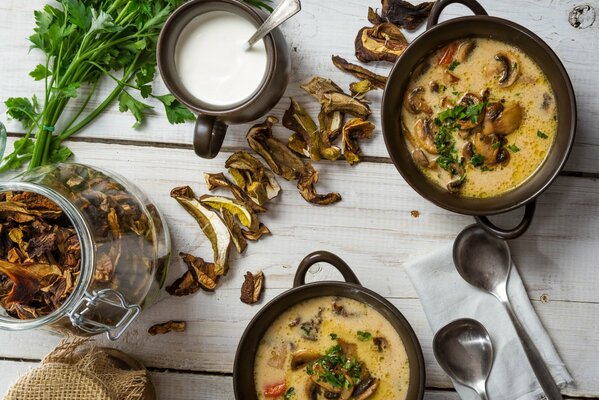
[(537, 363), (285, 10)]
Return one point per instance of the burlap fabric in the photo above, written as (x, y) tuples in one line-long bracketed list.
[(77, 370)]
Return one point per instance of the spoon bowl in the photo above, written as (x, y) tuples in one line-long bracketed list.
[(482, 259), (464, 350)]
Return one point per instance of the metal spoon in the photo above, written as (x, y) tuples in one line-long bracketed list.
[(464, 350), (285, 10), (484, 261)]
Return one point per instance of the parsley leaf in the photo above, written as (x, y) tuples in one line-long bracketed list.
[(40, 72), (477, 160), (333, 336), (176, 113), (22, 109), (364, 336), (542, 135), (137, 108), (453, 65), (289, 393), (513, 148)]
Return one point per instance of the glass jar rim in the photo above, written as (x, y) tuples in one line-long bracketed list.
[(86, 270)]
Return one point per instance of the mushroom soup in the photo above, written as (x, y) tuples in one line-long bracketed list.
[(479, 117), (331, 347)]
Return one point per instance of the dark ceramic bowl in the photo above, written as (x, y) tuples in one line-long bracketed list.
[(243, 369), (480, 25)]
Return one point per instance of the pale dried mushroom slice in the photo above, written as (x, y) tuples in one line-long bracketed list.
[(383, 42), (166, 327), (219, 180), (318, 86), (354, 130), (306, 187), (344, 103), (253, 177), (330, 126), (361, 88), (243, 213), (281, 160), (360, 72), (212, 225), (252, 287)]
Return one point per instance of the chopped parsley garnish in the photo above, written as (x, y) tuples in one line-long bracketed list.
[(542, 135), (513, 148), (334, 366), (477, 160), (364, 336), (333, 336), (484, 168), (455, 93), (453, 65), (496, 145), (289, 393)]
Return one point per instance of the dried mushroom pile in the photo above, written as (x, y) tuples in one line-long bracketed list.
[(233, 220), (40, 255)]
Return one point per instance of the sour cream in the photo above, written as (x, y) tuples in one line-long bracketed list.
[(212, 63)]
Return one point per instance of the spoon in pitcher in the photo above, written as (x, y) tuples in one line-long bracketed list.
[(484, 261), (464, 350), (285, 10)]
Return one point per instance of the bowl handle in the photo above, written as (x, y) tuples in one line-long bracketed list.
[(529, 212), (323, 256), (440, 5)]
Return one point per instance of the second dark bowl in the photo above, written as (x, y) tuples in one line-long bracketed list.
[(480, 25)]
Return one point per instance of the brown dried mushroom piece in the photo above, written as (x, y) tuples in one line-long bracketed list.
[(355, 129), (237, 237), (360, 72), (203, 272), (281, 160), (211, 224), (220, 180), (319, 86), (383, 42), (166, 327), (256, 235), (297, 119), (330, 123), (359, 89), (253, 177), (252, 287), (306, 187), (401, 13), (344, 103)]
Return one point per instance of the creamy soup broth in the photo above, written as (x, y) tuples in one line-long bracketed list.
[(499, 75), (319, 324)]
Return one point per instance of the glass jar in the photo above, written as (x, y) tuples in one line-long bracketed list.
[(125, 249)]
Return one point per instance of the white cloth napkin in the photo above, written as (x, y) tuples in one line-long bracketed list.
[(445, 297)]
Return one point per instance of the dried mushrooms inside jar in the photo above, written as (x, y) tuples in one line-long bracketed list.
[(40, 255)]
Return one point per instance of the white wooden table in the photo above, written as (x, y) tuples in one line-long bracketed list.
[(372, 228)]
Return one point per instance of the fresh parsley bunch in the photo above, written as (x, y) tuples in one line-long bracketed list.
[(84, 40)]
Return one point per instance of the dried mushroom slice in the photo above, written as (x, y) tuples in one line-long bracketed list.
[(297, 119), (235, 230), (253, 177), (252, 287), (359, 89), (318, 86), (383, 42), (281, 160), (183, 286), (219, 180), (256, 235), (401, 13), (204, 273), (344, 103), (166, 327), (212, 225), (306, 187), (355, 129), (243, 213), (360, 72)]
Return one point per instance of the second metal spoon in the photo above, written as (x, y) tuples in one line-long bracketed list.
[(464, 350), (484, 261)]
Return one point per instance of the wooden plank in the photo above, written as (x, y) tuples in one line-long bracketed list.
[(310, 36), (373, 230), (185, 386)]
